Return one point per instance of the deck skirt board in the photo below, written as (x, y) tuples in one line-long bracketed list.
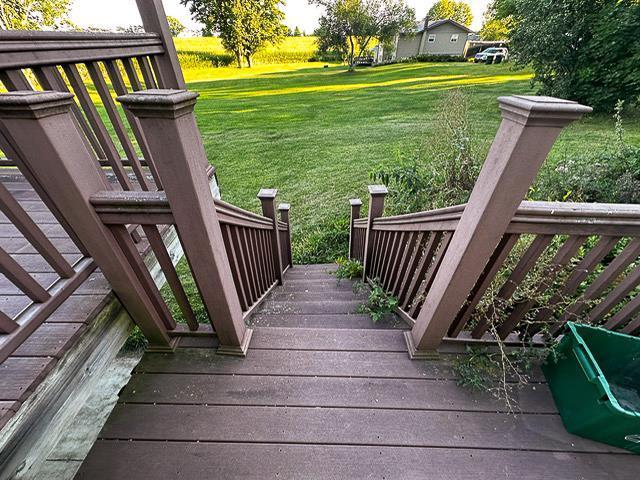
[(324, 393)]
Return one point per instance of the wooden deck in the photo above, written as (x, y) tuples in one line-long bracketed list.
[(25, 369), (323, 393)]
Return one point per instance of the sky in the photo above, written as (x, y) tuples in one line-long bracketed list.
[(112, 13)]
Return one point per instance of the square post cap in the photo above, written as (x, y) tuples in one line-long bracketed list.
[(34, 104), (541, 111), (377, 190), (159, 103), (284, 207), (267, 193), (355, 202)]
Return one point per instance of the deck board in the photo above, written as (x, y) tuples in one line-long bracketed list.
[(320, 396)]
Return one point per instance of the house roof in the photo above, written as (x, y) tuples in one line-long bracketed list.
[(437, 23)]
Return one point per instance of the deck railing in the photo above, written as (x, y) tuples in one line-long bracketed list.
[(498, 267), (556, 262), (60, 125)]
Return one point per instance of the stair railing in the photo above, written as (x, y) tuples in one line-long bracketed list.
[(457, 271)]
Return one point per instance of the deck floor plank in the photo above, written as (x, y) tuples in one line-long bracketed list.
[(326, 394), (204, 461)]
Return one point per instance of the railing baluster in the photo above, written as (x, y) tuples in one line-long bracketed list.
[(267, 198), (112, 112), (496, 262), (235, 266), (601, 283), (426, 255), (285, 209), (525, 264), (110, 151), (21, 279), (122, 237), (356, 205), (169, 271), (147, 74), (412, 265), (251, 263), (429, 277), (626, 314), (23, 222), (120, 88), (560, 261), (401, 273), (630, 282), (132, 74)]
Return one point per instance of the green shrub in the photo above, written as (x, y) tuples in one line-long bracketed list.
[(379, 304), (438, 58), (136, 340), (321, 243), (348, 269), (610, 175)]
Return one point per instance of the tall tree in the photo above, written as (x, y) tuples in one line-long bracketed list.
[(357, 23), (498, 20), (34, 14), (452, 10), (175, 26), (244, 26), (584, 50)]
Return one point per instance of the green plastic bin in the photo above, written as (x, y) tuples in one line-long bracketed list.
[(594, 377)]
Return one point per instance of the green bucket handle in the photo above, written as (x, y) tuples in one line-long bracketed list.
[(586, 361)]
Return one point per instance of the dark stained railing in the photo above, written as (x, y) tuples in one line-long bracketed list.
[(247, 242), (556, 262)]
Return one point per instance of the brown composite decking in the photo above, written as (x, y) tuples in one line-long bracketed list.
[(24, 370), (324, 394)]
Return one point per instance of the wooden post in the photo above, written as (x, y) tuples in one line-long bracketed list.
[(267, 197), (169, 125), (529, 128), (356, 204), (40, 127), (376, 209), (284, 209), (166, 65)]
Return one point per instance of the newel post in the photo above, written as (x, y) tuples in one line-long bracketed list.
[(167, 65), (376, 209), (284, 209), (169, 126), (40, 128), (529, 128), (356, 204), (267, 198)]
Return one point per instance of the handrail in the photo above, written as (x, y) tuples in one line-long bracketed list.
[(407, 251)]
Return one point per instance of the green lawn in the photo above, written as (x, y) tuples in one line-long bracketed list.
[(315, 133)]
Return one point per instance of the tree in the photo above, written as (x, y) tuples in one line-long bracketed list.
[(34, 14), (297, 32), (583, 50), (355, 23), (244, 26), (498, 20), (452, 10), (176, 27)]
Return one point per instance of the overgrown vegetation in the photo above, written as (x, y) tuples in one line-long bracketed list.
[(348, 269), (379, 304), (442, 170), (499, 372), (322, 242), (609, 174)]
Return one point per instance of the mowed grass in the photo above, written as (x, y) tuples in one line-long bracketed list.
[(316, 133)]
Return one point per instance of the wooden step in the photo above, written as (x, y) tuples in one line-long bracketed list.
[(311, 307), (325, 321)]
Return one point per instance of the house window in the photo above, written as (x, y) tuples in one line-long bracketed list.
[(454, 38), (432, 38)]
